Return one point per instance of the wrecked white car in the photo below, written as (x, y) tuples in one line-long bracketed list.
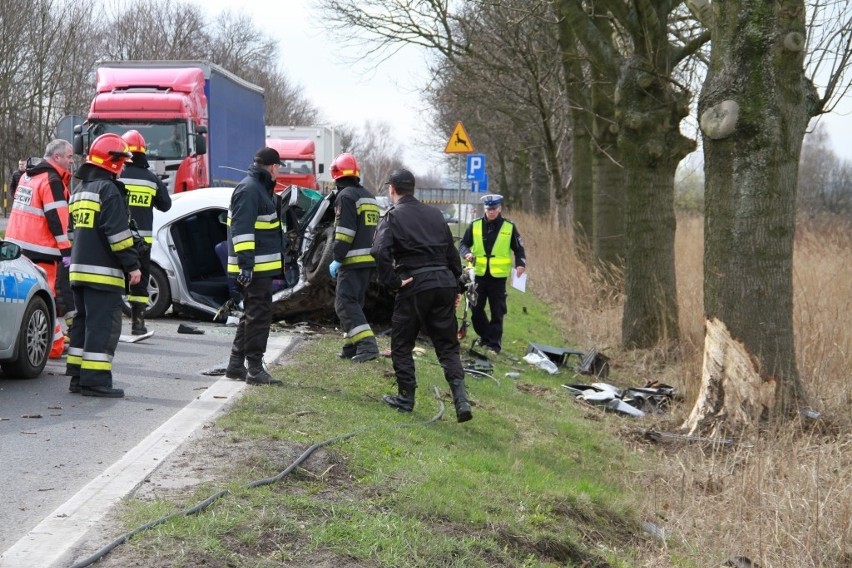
[(188, 275)]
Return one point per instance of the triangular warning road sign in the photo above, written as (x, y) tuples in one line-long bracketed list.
[(459, 142)]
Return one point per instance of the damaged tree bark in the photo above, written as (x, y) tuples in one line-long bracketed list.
[(733, 396)]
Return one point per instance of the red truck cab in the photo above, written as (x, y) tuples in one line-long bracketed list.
[(298, 163)]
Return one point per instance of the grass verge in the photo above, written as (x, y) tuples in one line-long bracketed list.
[(534, 480)]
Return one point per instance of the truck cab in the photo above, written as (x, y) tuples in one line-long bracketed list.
[(298, 163), (201, 123)]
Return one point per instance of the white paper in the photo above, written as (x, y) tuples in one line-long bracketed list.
[(519, 282)]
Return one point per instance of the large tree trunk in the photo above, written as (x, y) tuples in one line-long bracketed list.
[(754, 109), (651, 147), (733, 396)]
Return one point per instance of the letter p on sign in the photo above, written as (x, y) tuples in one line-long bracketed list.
[(476, 167)]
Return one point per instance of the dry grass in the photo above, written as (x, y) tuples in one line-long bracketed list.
[(782, 498)]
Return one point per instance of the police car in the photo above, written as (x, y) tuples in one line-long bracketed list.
[(26, 315)]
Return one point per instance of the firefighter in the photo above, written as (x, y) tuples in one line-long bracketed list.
[(103, 254), (145, 190), (39, 221), (416, 256), (356, 217), (489, 242), (255, 257)]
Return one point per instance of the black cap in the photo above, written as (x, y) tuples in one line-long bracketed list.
[(402, 179), (267, 157)]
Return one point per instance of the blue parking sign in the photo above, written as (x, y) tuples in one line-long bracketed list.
[(476, 167), (479, 186)]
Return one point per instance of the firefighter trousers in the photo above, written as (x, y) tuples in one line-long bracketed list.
[(350, 294), (139, 292), (94, 336), (253, 328)]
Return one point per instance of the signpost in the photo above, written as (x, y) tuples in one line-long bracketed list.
[(460, 143)]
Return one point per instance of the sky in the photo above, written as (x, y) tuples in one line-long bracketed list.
[(351, 93), (343, 91)]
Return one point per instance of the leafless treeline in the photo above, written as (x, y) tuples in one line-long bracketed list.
[(49, 50)]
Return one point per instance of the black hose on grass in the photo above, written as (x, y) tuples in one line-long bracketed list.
[(257, 483)]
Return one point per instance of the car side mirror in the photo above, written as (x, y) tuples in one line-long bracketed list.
[(9, 251)]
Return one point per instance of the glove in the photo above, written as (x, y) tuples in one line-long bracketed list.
[(334, 267), (244, 277), (66, 261)]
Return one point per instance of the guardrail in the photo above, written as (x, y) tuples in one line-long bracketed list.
[(445, 195)]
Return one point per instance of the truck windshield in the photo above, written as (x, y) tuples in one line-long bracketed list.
[(165, 141), (296, 167)]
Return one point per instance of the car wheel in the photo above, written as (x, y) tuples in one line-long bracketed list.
[(159, 294), (34, 341), (319, 254)]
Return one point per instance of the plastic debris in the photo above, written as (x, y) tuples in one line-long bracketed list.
[(633, 401), (539, 359)]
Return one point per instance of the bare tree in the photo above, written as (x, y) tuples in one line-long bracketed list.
[(378, 153)]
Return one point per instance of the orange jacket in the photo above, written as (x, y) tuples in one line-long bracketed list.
[(39, 218)]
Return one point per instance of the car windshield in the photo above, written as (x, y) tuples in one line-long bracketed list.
[(165, 141)]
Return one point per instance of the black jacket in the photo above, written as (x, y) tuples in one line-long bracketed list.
[(144, 192), (255, 236), (413, 239), (357, 214), (13, 184), (103, 250)]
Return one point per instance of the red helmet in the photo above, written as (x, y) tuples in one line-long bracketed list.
[(345, 165), (135, 141), (109, 152)]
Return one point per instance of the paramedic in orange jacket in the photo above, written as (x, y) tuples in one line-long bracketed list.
[(39, 218)]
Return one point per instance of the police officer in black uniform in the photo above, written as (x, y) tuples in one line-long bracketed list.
[(357, 215), (255, 247), (102, 254), (415, 256), (144, 192)]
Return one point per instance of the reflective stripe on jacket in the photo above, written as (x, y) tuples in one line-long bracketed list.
[(499, 262), (39, 217)]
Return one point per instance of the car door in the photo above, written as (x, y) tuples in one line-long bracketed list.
[(11, 307)]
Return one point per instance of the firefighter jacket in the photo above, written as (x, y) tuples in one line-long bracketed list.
[(492, 243), (39, 219), (144, 192), (103, 249), (255, 236), (357, 215), (413, 239)]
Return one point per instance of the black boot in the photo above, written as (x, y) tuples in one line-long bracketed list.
[(236, 368), (137, 317), (257, 375), (460, 401), (348, 351), (103, 392), (74, 385), (366, 350), (404, 401)]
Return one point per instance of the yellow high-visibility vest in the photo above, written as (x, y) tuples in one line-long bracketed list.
[(500, 261)]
